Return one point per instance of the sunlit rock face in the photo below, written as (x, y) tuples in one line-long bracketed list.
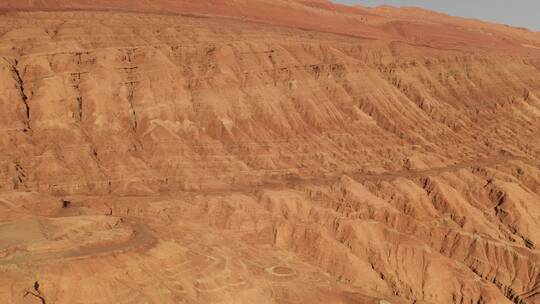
[(266, 152)]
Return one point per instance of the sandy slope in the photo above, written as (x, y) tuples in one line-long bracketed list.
[(266, 152)]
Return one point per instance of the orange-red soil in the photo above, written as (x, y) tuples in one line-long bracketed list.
[(266, 152)]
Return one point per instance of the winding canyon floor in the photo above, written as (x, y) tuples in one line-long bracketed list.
[(385, 156)]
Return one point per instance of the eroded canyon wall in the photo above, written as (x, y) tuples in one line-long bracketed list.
[(209, 159)]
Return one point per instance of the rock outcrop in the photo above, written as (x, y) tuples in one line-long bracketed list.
[(266, 152)]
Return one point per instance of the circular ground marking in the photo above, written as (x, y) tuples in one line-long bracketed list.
[(281, 271)]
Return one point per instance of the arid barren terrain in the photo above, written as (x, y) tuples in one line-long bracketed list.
[(258, 151)]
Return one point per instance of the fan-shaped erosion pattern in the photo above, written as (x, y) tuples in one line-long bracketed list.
[(266, 152)]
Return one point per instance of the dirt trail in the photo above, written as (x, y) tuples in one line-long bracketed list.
[(141, 239), (360, 176)]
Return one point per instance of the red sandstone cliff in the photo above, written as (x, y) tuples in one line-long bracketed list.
[(266, 151)]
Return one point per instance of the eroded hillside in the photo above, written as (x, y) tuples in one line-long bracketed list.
[(180, 158)]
